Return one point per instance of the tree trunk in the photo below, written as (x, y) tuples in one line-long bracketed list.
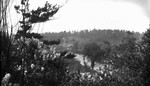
[(92, 64)]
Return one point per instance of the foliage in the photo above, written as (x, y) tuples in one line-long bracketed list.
[(37, 67), (51, 42), (94, 52), (127, 59), (41, 14), (30, 35), (146, 50)]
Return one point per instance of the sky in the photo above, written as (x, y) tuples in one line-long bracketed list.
[(78, 15)]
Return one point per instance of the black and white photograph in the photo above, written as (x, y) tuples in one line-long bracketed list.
[(75, 42)]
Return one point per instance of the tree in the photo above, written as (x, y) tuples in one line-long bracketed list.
[(41, 14), (93, 52)]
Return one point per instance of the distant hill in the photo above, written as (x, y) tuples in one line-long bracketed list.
[(79, 38), (113, 36)]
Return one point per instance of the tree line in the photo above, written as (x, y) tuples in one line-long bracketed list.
[(96, 35)]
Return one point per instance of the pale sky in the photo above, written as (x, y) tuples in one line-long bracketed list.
[(78, 15)]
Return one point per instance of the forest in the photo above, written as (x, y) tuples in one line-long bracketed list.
[(49, 59), (95, 35), (80, 38)]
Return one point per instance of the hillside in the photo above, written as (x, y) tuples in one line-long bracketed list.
[(78, 39), (113, 36)]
